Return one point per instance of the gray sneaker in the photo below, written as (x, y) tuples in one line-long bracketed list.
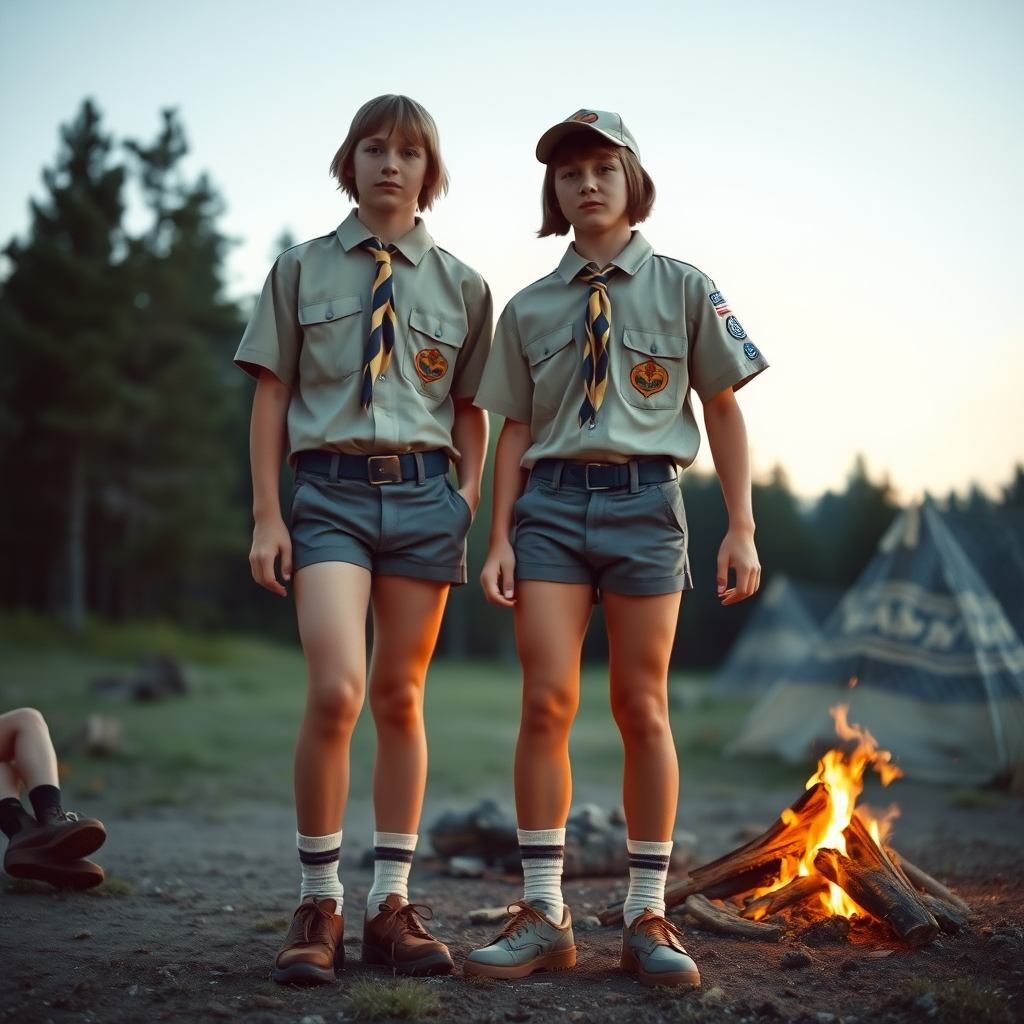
[(529, 942), (652, 949)]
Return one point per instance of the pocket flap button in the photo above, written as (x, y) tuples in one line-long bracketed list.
[(329, 314), (654, 349)]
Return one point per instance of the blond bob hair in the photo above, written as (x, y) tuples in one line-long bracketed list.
[(384, 115), (639, 186)]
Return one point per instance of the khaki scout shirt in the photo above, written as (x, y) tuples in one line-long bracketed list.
[(310, 329), (670, 330)]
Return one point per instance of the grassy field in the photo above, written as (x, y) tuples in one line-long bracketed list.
[(232, 736)]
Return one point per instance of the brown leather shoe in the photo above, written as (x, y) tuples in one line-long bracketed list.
[(63, 837), (72, 874), (396, 939), (314, 947)]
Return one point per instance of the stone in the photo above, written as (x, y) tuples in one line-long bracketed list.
[(795, 958)]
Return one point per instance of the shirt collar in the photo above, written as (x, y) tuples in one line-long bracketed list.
[(413, 245), (631, 259)]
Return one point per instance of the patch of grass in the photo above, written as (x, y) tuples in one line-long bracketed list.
[(405, 1000), (24, 886), (113, 887), (271, 923), (959, 1002), (972, 797)]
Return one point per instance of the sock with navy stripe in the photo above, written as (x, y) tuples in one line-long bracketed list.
[(319, 858), (392, 861), (648, 871), (543, 851)]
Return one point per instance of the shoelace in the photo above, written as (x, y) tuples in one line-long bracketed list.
[(661, 929), (521, 917), (405, 918), (313, 914)]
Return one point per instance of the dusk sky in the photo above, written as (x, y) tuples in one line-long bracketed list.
[(848, 173)]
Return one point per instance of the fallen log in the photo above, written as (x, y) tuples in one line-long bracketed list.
[(797, 891), (871, 880), (752, 866), (712, 919), (920, 880), (949, 918)]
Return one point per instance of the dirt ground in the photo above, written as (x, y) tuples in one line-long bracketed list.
[(191, 931)]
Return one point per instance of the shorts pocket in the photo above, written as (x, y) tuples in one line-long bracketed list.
[(333, 339), (434, 343), (460, 502), (652, 367), (672, 496)]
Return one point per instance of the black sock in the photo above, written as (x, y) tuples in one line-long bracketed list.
[(46, 803), (13, 817)]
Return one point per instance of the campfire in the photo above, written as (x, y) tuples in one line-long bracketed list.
[(826, 857)]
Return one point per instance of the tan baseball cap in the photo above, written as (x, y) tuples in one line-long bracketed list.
[(604, 122)]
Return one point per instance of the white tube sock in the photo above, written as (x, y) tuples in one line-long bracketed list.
[(648, 871), (543, 851), (392, 861), (319, 858)]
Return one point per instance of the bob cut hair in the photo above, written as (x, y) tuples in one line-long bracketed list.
[(382, 116), (639, 186)]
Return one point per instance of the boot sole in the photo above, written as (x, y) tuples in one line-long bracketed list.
[(62, 876), (560, 961), (71, 843), (436, 963), (628, 962), (304, 974)]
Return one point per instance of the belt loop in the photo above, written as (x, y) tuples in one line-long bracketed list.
[(421, 476), (556, 474), (634, 477), (335, 459)]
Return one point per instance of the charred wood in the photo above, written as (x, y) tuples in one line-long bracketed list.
[(796, 891), (711, 918), (920, 880)]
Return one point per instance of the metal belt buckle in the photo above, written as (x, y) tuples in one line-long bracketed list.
[(384, 469), (586, 477)]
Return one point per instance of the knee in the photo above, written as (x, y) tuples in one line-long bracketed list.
[(548, 714), (28, 720), (398, 707), (333, 709), (641, 719)]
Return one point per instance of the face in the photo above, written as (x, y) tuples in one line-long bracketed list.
[(389, 171), (591, 190)]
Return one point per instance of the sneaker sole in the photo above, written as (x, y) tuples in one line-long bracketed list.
[(628, 962), (71, 843), (560, 961), (62, 876), (436, 963)]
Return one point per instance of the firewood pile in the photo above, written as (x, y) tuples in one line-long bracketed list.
[(823, 858)]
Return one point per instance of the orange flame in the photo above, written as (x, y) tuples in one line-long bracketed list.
[(842, 775)]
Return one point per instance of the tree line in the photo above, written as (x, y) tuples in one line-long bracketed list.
[(123, 427)]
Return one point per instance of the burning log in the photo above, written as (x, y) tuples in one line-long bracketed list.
[(949, 918), (920, 880), (872, 881), (797, 891), (709, 917), (752, 866)]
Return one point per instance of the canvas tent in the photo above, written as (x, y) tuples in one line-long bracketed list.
[(924, 656), (784, 627)]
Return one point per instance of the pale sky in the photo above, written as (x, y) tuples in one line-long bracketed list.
[(848, 173)]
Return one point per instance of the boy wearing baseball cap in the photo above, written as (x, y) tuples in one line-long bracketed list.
[(592, 368)]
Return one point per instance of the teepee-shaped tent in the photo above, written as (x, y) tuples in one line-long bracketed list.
[(924, 656), (785, 626)]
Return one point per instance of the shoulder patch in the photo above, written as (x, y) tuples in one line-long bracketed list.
[(732, 325), (721, 306), (749, 351)]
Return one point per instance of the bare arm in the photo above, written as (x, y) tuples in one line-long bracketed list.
[(498, 575), (267, 431), (469, 436), (727, 438)]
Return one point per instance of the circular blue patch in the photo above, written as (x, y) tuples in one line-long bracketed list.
[(732, 325), (749, 351)]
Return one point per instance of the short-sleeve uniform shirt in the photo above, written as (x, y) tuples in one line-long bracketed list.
[(310, 328), (671, 330)]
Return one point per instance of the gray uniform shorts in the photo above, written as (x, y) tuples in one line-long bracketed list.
[(398, 529), (615, 540)]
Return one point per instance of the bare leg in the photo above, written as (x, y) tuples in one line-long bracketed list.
[(331, 599), (25, 742), (10, 783), (640, 634), (551, 620), (406, 620)]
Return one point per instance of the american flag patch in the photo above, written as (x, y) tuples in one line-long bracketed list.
[(721, 306)]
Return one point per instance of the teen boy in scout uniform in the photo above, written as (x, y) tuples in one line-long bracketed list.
[(592, 368), (368, 344)]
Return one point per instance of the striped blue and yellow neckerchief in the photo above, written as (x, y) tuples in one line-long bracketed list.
[(599, 329), (381, 342)]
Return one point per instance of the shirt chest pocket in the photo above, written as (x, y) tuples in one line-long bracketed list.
[(433, 346), (552, 359), (333, 339), (652, 369)]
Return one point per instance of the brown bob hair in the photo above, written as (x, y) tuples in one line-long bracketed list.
[(383, 115), (639, 186)]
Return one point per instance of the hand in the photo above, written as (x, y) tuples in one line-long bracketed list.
[(498, 577), (739, 554), (271, 540)]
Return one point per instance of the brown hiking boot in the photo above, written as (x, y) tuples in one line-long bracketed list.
[(53, 852), (314, 947), (396, 939)]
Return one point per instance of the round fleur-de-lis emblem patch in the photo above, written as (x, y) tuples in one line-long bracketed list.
[(649, 378), (431, 365), (733, 326)]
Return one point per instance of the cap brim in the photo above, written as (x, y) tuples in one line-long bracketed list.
[(553, 136)]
